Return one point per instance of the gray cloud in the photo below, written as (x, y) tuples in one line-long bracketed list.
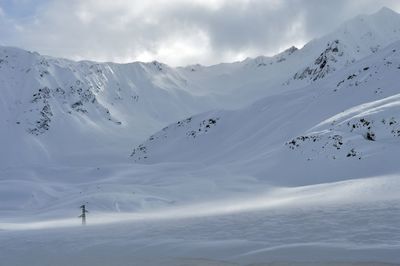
[(177, 31)]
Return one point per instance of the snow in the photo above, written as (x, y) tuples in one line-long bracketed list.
[(289, 224), (283, 160)]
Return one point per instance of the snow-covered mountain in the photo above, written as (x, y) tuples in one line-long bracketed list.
[(319, 124), (57, 109), (53, 107), (350, 114)]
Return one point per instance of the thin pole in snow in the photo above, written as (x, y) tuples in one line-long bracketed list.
[(83, 215)]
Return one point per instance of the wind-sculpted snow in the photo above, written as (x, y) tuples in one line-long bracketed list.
[(340, 223)]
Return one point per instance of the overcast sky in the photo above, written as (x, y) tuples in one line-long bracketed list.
[(177, 32)]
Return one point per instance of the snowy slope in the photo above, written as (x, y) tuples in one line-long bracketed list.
[(297, 123), (375, 122), (52, 107)]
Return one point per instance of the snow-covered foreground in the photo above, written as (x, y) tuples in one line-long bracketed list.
[(328, 224)]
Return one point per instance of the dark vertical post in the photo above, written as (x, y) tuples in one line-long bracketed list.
[(83, 215)]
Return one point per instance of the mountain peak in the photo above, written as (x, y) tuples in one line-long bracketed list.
[(384, 11)]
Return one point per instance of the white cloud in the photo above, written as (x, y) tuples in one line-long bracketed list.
[(178, 31)]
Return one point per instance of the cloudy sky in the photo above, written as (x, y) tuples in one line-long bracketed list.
[(177, 32)]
